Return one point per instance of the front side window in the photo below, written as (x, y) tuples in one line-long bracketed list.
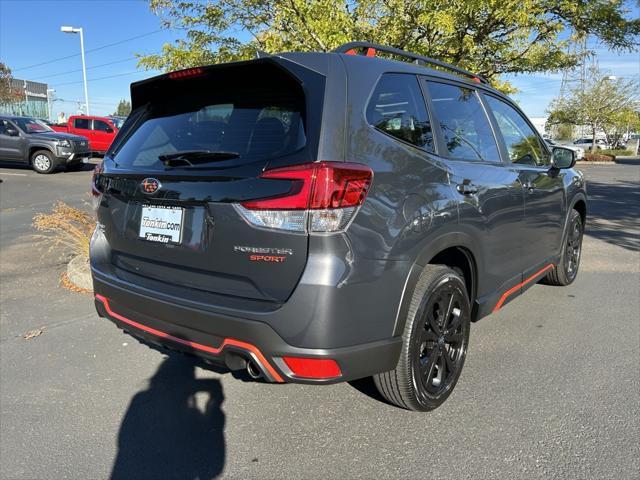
[(102, 126), (82, 123), (522, 142), (397, 108)]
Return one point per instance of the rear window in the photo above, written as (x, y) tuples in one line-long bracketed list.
[(254, 118)]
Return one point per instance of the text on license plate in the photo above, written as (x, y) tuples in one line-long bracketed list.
[(161, 224)]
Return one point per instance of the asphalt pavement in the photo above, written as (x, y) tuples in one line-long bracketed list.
[(550, 388)]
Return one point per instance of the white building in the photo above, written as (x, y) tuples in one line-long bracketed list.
[(540, 123)]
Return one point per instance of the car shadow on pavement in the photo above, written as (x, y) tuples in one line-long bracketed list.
[(174, 428), (614, 213)]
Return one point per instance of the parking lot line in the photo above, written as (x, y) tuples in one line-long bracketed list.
[(15, 174)]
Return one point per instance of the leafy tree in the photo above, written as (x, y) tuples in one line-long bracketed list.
[(7, 94), (621, 123), (597, 104), (490, 37), (123, 109), (563, 131)]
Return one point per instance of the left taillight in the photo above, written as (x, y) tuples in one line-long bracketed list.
[(324, 197), (96, 192)]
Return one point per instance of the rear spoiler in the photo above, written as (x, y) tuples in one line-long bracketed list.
[(144, 91), (160, 86)]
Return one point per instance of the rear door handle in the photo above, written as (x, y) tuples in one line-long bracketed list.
[(467, 188)]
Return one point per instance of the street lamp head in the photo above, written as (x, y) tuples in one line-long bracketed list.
[(68, 29)]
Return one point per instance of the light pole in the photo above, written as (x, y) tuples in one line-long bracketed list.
[(67, 29)]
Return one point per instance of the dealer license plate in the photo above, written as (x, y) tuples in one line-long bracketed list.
[(161, 224)]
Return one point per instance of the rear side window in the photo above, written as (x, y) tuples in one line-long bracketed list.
[(465, 127), (82, 123), (398, 109), (253, 118), (522, 142)]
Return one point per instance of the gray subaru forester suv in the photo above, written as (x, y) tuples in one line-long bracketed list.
[(324, 217)]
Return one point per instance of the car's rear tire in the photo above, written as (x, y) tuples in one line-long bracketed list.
[(435, 340), (42, 161), (567, 270)]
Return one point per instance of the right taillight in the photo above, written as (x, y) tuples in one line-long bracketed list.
[(96, 193), (324, 197)]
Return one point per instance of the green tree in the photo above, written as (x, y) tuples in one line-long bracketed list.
[(597, 104), (490, 37), (123, 109), (7, 94), (620, 124), (563, 131)]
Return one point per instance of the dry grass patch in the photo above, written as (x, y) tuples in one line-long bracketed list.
[(66, 228)]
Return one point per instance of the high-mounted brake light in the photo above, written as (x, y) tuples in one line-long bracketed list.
[(324, 197), (186, 73)]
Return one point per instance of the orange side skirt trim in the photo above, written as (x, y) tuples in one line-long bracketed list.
[(514, 289)]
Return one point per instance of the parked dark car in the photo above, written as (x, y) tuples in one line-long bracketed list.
[(28, 140), (345, 216)]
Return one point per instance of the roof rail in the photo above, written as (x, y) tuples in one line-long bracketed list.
[(371, 48)]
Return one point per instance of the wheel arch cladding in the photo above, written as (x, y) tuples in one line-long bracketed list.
[(460, 258), (36, 148), (581, 206)]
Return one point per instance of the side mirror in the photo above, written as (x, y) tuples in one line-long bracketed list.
[(562, 157), (109, 130), (12, 132)]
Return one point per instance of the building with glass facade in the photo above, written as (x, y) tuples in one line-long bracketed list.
[(31, 101)]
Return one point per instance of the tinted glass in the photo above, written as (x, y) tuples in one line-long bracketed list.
[(31, 125), (464, 124), (397, 108), (101, 126), (81, 123), (522, 142), (256, 124), (117, 122)]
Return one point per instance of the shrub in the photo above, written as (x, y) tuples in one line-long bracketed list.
[(66, 228), (617, 153), (598, 157)]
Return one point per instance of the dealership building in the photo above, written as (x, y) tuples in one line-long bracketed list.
[(31, 99)]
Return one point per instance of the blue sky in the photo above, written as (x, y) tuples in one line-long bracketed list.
[(30, 35)]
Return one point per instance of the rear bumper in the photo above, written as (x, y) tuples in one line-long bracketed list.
[(214, 335)]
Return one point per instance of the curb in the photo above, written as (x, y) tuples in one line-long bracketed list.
[(612, 162), (79, 273)]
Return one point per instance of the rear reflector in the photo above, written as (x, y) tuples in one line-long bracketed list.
[(323, 197), (313, 368)]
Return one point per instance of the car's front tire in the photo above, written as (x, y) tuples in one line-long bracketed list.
[(567, 270), (435, 341), (42, 161)]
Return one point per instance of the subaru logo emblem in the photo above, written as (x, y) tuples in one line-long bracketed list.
[(150, 185)]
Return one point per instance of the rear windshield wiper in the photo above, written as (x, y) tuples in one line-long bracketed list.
[(190, 158)]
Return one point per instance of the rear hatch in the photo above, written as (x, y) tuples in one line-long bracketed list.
[(190, 152)]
